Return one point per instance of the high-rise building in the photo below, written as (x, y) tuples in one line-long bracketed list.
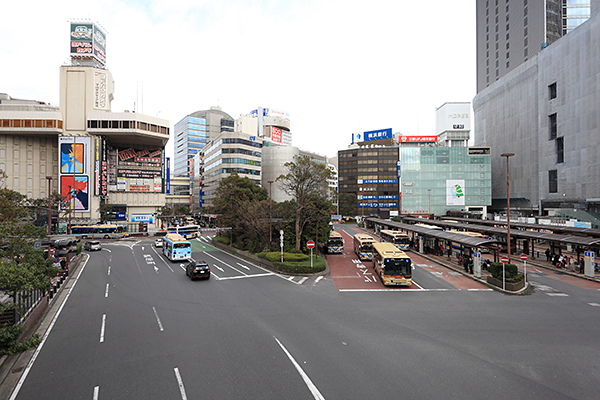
[(194, 131), (510, 32), (271, 126)]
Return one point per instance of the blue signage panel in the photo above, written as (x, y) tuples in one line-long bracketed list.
[(120, 215), (377, 135), (168, 177)]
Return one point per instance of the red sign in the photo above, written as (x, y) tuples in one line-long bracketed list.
[(310, 244), (504, 259), (275, 135), (523, 257), (417, 139)]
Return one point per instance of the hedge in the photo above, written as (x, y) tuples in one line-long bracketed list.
[(511, 272)]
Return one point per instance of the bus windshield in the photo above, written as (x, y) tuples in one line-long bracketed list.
[(397, 266), (366, 248), (181, 245), (335, 242)]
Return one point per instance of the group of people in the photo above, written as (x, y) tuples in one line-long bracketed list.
[(467, 263), (563, 261)]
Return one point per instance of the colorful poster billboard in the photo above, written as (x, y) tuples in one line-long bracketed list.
[(75, 171), (455, 195), (88, 41), (275, 135)]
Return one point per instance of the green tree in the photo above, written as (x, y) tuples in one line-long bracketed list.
[(348, 202), (305, 181), (22, 268), (243, 206)]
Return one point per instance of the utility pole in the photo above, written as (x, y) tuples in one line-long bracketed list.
[(507, 155), (270, 215), (49, 206)]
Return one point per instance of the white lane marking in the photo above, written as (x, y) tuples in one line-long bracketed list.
[(219, 268), (303, 280), (318, 279), (594, 304), (311, 386), (96, 392), (158, 320), (15, 393), (109, 270), (106, 293), (162, 259), (102, 328), (180, 383), (242, 277), (243, 266), (558, 294), (233, 268)]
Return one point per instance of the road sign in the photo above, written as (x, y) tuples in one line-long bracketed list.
[(504, 259), (523, 257), (310, 244)]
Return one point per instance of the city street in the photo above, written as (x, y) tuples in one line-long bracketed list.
[(136, 327)]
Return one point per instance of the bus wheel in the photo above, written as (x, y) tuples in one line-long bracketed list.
[(106, 237)]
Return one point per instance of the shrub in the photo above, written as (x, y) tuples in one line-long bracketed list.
[(511, 272)]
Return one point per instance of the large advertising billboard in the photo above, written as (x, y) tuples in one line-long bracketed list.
[(455, 195), (137, 170), (374, 135), (453, 117), (88, 41), (75, 171)]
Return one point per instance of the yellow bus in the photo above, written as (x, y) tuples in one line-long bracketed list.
[(393, 266), (398, 239), (363, 246), (335, 243)]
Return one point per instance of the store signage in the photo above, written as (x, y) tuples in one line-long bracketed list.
[(417, 139), (378, 135)]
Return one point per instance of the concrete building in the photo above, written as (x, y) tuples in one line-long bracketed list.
[(510, 32), (230, 152), (272, 126), (92, 154), (547, 112), (194, 131), (273, 165)]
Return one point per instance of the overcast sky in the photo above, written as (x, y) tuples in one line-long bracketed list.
[(337, 67)]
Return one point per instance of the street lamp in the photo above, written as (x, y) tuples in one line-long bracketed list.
[(429, 208), (507, 155), (49, 206), (270, 215)]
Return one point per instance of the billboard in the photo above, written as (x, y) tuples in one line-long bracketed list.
[(453, 117), (455, 195), (88, 41), (75, 171), (417, 139), (374, 135), (275, 135), (138, 170)]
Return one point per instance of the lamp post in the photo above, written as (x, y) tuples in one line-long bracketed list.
[(429, 208), (70, 209), (507, 155), (270, 215), (49, 206)]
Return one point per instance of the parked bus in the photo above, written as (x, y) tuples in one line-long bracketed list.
[(363, 246), (335, 243), (98, 232), (398, 239), (187, 231), (393, 266), (175, 247)]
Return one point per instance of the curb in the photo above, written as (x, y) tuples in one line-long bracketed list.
[(13, 366)]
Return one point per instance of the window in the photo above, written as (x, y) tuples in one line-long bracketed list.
[(552, 128), (553, 181), (552, 91), (560, 150)]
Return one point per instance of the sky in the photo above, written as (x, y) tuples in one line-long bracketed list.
[(337, 67)]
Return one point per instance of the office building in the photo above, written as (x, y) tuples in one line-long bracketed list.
[(271, 126), (546, 112), (510, 32), (194, 131)]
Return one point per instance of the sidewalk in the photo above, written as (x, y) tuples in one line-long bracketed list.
[(12, 367)]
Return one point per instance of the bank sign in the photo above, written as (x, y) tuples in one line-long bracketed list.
[(375, 135)]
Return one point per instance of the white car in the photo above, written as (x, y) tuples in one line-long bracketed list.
[(158, 242)]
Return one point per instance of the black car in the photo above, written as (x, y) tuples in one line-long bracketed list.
[(197, 269)]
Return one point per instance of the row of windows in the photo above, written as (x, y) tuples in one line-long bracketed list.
[(120, 124), (31, 123), (17, 154), (30, 140), (238, 171)]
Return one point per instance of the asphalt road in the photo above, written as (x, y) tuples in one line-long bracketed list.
[(135, 327)]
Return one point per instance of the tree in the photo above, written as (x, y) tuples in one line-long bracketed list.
[(22, 268), (243, 206), (305, 181)]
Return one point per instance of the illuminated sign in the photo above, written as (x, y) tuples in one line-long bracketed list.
[(88, 41), (417, 139), (377, 135), (275, 135)]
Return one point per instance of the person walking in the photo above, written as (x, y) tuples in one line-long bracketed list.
[(581, 266), (466, 263), (547, 255)]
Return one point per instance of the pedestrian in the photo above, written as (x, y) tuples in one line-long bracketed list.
[(555, 260), (466, 263), (547, 255), (581, 266), (561, 261), (471, 263)]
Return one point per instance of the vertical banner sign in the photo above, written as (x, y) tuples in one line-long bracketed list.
[(97, 168), (104, 170), (455, 195), (168, 176)]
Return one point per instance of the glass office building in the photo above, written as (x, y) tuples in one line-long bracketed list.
[(434, 180), (190, 134)]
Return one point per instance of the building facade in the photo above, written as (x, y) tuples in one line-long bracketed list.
[(228, 153), (194, 131), (272, 126), (88, 154), (510, 32), (547, 112)]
